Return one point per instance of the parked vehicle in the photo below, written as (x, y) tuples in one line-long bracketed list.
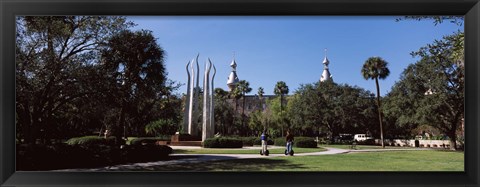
[(361, 137)]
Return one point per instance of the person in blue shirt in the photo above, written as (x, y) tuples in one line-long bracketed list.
[(264, 138)]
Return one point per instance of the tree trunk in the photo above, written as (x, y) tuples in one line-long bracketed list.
[(121, 124), (379, 113), (234, 120), (452, 136), (453, 143), (243, 116), (281, 112)]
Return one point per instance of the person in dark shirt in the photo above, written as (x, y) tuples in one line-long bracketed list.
[(289, 139)]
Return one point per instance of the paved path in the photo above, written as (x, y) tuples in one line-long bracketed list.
[(197, 158)]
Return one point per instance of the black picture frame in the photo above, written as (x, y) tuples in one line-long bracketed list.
[(11, 8)]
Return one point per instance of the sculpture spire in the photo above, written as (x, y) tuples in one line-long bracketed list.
[(192, 113)]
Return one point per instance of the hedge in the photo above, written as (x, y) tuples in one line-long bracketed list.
[(248, 141), (223, 142), (280, 141), (367, 142), (251, 141), (304, 142), (258, 141), (91, 140), (146, 140)]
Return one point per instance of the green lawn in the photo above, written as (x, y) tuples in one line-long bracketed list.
[(244, 151), (361, 147), (430, 160)]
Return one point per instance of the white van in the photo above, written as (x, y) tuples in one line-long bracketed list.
[(361, 137)]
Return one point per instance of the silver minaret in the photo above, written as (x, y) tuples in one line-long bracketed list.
[(233, 78), (326, 74)]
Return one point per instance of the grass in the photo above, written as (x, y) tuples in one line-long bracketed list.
[(244, 151), (430, 160), (362, 147)]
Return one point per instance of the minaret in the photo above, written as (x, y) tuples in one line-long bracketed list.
[(233, 78), (326, 74)]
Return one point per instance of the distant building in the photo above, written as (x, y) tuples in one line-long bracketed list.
[(252, 103)]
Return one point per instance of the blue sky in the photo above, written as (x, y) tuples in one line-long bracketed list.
[(290, 48)]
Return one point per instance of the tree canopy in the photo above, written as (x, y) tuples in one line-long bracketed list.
[(431, 91), (79, 75)]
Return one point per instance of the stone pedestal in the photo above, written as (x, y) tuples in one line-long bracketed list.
[(185, 140)]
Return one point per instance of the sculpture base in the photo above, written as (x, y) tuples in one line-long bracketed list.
[(184, 140), (187, 143), (184, 137)]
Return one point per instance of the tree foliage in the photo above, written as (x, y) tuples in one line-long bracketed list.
[(80, 75), (457, 20), (431, 91), (224, 112), (281, 89), (331, 107), (55, 59), (134, 65), (244, 87), (162, 127)]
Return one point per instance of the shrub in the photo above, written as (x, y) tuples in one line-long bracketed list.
[(305, 142), (91, 140), (147, 140), (344, 142), (248, 141), (325, 141), (33, 157), (60, 156), (162, 127), (280, 141), (223, 142), (367, 142)]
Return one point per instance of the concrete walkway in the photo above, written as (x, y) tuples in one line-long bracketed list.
[(197, 158)]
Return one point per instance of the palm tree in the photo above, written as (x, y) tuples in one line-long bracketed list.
[(244, 87), (260, 93), (281, 89), (235, 94), (376, 68), (223, 110)]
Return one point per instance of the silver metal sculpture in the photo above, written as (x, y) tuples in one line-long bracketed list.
[(186, 115), (193, 94), (191, 103), (212, 106)]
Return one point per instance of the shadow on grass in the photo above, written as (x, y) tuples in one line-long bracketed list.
[(216, 163)]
